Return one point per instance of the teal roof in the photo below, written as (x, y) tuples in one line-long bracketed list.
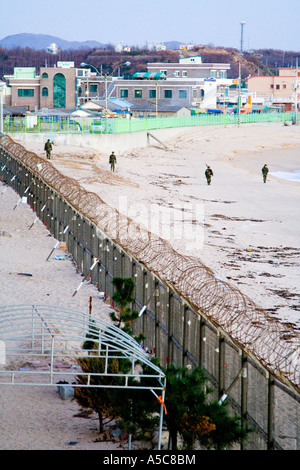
[(148, 75)]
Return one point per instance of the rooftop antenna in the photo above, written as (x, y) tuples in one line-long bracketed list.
[(242, 31)]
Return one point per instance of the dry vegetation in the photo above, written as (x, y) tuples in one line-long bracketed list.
[(263, 62)]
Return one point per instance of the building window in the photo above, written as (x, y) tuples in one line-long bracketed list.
[(213, 73), (168, 93), (272, 86), (45, 91), (177, 73), (45, 75), (277, 87), (182, 93), (152, 93), (184, 73), (124, 93), (26, 92), (138, 93), (93, 89), (164, 72), (284, 87), (59, 91)]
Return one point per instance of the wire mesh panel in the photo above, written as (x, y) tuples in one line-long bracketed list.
[(46, 209), (117, 255), (150, 293), (51, 212), (110, 258), (101, 249), (148, 330), (41, 200), (255, 440), (162, 306), (57, 216), (257, 405), (102, 279), (94, 256), (94, 246), (161, 349), (139, 283), (191, 335), (86, 234), (176, 328), (210, 352), (286, 419), (79, 230), (127, 266), (70, 234), (109, 288), (80, 257), (232, 366), (87, 262)]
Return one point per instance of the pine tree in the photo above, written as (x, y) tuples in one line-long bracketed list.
[(101, 399), (123, 297), (193, 416)]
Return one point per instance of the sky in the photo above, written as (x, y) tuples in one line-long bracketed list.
[(269, 24)]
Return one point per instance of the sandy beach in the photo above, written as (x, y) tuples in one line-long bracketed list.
[(37, 418), (248, 232)]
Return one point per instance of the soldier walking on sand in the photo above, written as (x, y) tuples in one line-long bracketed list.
[(112, 161), (48, 148), (208, 174), (265, 171)]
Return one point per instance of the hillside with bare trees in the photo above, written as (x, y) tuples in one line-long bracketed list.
[(262, 62)]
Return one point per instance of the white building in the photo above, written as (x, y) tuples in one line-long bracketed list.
[(189, 82)]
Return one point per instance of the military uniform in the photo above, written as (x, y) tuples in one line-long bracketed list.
[(48, 148), (112, 161), (265, 171), (208, 174)]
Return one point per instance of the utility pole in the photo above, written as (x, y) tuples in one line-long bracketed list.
[(2, 90), (296, 92), (239, 97), (242, 31)]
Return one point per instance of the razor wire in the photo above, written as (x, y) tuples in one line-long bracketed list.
[(273, 344)]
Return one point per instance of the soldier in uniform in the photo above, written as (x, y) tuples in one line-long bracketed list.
[(265, 171), (48, 148), (208, 174), (112, 161)]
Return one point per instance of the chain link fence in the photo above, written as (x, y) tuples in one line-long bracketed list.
[(189, 318)]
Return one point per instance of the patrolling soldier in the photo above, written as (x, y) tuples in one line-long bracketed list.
[(48, 149), (112, 161), (208, 174), (265, 171)]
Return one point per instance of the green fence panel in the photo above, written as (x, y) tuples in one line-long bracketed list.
[(54, 125)]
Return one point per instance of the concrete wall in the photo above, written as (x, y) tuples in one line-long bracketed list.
[(104, 142)]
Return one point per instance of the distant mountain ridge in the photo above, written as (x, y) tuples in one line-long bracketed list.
[(42, 41)]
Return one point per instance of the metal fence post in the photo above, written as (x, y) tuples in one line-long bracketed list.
[(271, 383), (244, 394), (170, 345), (221, 366)]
